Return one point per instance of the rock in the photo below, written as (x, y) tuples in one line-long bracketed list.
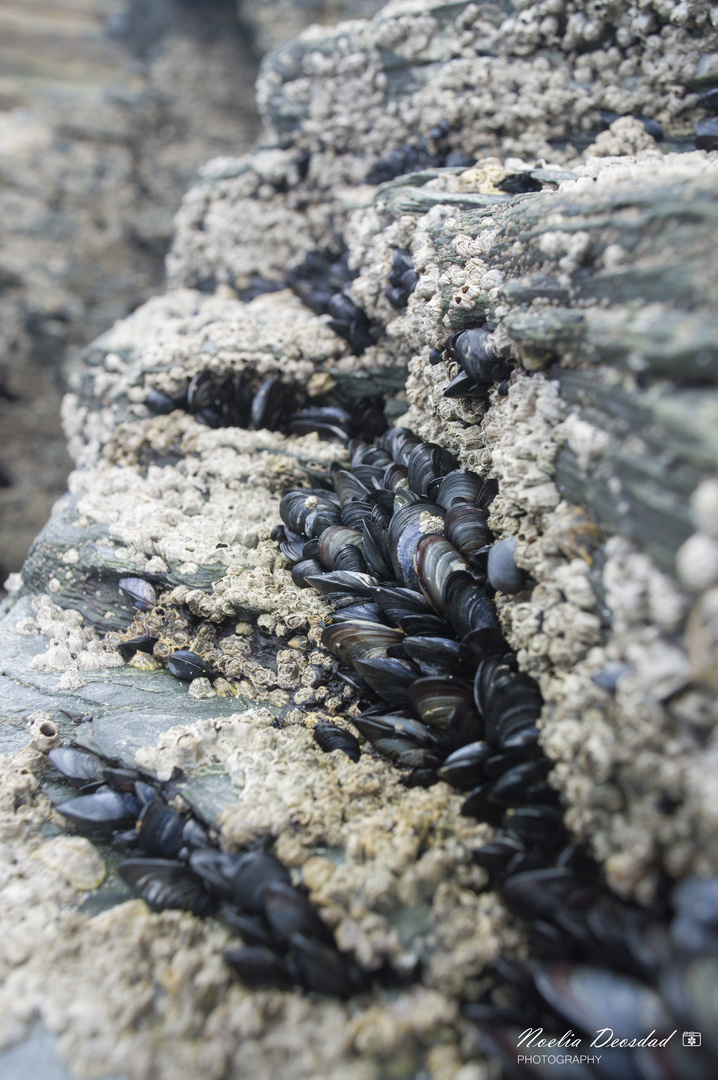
[(597, 294), (102, 126)]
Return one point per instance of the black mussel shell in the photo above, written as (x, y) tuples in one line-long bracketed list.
[(348, 487), (353, 679), (524, 783), (200, 391), (541, 824), (259, 968), (288, 913), (293, 550), (463, 768), (146, 643), (253, 872), (435, 699), (320, 518), (539, 894), (466, 605), (144, 791), (510, 704), (425, 625), (505, 760), (376, 550), (402, 731), (435, 655), (695, 924), (342, 583), (707, 133), (550, 943), (122, 779), (139, 591), (194, 835), (709, 100), (401, 261), (162, 404), (434, 561), (474, 351), (465, 726), (361, 612), (477, 804), (427, 462), (628, 937), (297, 507), (397, 296), (217, 868), (488, 493), (76, 764), (270, 404), (233, 401), (464, 386), (322, 969), (253, 929), (305, 569), (480, 644), (503, 573), (529, 861), (186, 665), (411, 611), (331, 542), (351, 642), (365, 453), (410, 524), (342, 308), (396, 601), (498, 853), (383, 504), (327, 423), (519, 183), (354, 514), (160, 830), (165, 883), (389, 677), (399, 442), (331, 737), (609, 677), (395, 476), (319, 478), (456, 486), (465, 527), (101, 812)]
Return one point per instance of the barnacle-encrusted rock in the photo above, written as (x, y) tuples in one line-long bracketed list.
[(598, 293)]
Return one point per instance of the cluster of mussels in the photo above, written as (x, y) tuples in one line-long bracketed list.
[(480, 367), (399, 541), (322, 281), (403, 279), (218, 400), (424, 154), (175, 863)]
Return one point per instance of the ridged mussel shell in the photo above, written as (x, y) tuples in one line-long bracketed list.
[(358, 641)]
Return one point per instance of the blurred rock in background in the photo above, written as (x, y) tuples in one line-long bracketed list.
[(107, 109)]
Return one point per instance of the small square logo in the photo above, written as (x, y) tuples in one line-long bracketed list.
[(691, 1038)]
